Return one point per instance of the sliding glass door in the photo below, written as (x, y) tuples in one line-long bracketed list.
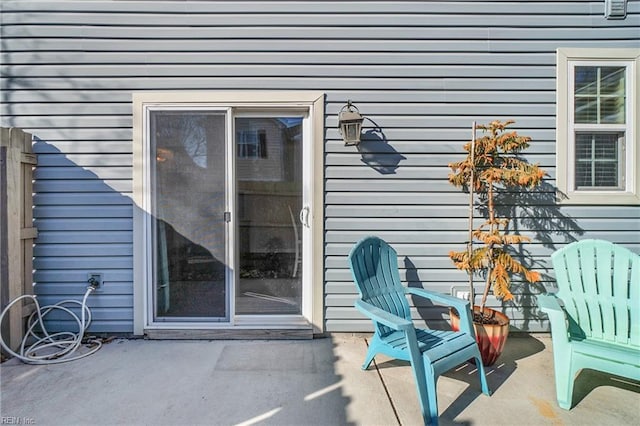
[(230, 217)]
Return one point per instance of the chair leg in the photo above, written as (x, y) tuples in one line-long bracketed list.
[(367, 360), (432, 395), (426, 386), (565, 374), (372, 351), (564, 387), (483, 376), (417, 367)]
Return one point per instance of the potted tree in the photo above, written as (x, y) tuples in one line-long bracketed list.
[(492, 167)]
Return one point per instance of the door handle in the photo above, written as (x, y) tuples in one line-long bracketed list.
[(304, 216)]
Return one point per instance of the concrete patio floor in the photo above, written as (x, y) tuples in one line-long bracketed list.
[(319, 382)]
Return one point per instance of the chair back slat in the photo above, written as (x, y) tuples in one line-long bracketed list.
[(605, 270), (567, 265), (590, 257), (374, 266), (633, 275), (597, 281)]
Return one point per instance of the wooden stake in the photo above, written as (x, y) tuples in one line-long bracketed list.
[(471, 205)]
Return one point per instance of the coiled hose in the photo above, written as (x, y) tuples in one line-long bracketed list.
[(58, 347)]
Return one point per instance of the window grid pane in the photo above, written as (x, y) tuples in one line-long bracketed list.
[(597, 160), (599, 96)]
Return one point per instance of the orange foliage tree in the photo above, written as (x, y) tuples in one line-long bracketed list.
[(492, 165)]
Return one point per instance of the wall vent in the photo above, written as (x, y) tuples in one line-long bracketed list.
[(615, 9)]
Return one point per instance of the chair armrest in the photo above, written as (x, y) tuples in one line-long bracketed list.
[(383, 317), (549, 304), (462, 306)]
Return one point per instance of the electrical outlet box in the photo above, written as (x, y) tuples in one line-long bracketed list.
[(464, 295), (461, 293), (95, 279)]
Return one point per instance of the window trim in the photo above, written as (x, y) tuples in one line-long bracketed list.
[(567, 58)]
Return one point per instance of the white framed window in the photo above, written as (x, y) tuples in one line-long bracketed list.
[(598, 153), (252, 143)]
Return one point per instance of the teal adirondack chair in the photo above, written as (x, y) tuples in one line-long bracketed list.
[(598, 326), (383, 298)]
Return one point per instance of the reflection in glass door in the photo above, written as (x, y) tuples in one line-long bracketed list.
[(205, 177), (269, 203), (188, 176)]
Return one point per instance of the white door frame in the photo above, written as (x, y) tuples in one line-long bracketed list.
[(313, 152)]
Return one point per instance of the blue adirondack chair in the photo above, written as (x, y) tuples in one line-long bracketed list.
[(598, 325), (383, 298)]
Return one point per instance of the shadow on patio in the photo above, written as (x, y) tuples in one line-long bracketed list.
[(316, 382), (182, 382)]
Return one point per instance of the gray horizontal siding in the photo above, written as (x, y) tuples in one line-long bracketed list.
[(411, 236), (78, 275), (230, 82), (387, 109), (89, 98), (253, 23), (462, 211), (319, 7), (422, 71), (631, 225), (83, 250)]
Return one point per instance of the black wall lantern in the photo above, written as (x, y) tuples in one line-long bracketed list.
[(350, 123)]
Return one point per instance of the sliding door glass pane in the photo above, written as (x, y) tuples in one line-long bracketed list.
[(269, 186), (188, 192)]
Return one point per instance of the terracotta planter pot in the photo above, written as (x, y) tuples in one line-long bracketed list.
[(491, 337)]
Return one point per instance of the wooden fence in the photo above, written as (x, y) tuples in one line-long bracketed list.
[(16, 229)]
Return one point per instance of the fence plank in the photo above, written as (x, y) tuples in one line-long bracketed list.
[(16, 228)]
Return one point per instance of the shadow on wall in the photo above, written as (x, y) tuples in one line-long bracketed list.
[(377, 153), (433, 315), (95, 224), (86, 225), (534, 211)]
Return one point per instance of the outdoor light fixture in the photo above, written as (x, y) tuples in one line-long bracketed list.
[(350, 123)]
